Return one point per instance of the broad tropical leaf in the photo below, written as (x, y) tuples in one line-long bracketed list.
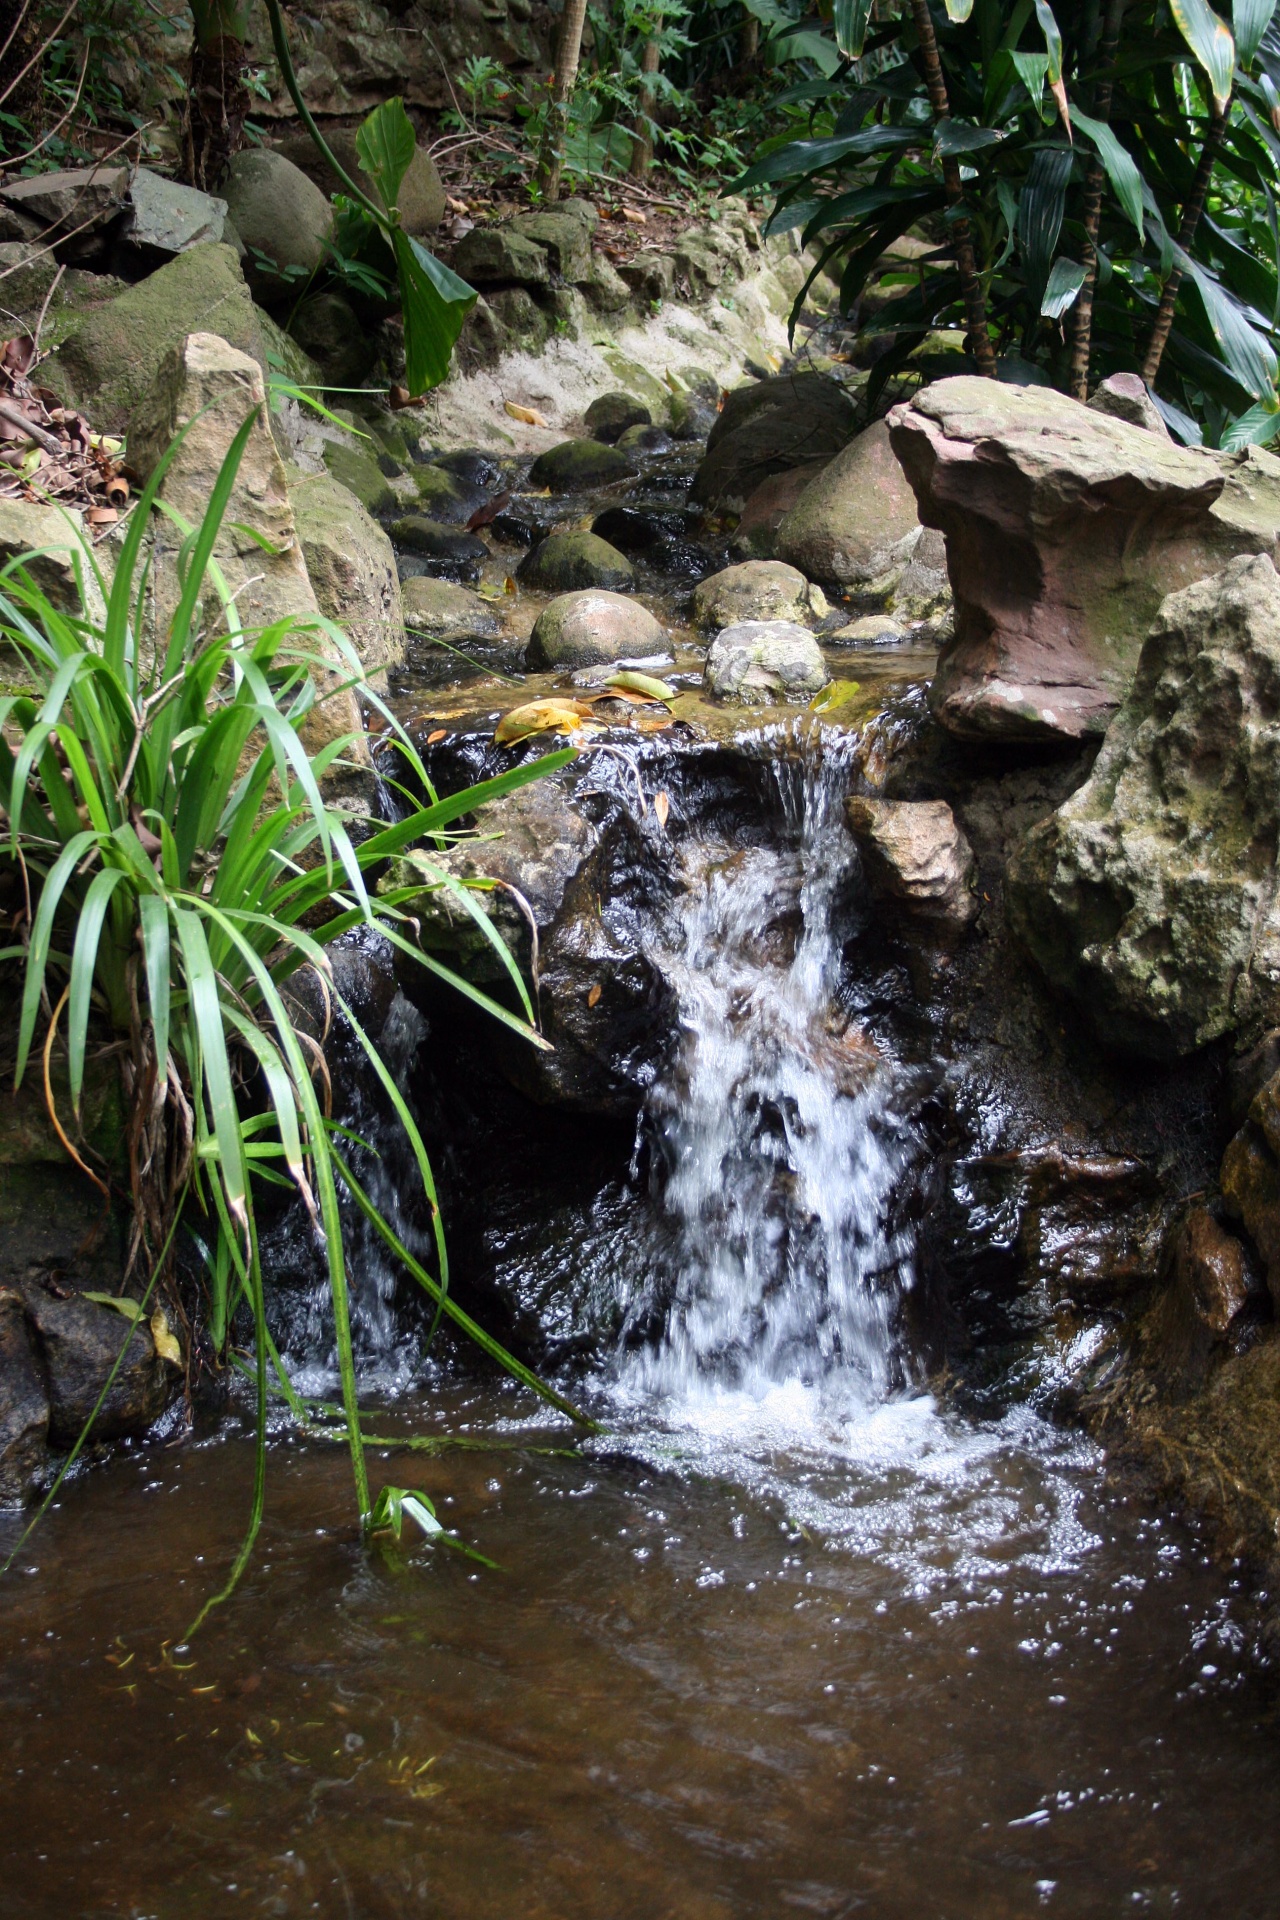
[(434, 304), (1209, 38), (1119, 164), (850, 20), (1065, 280), (385, 144)]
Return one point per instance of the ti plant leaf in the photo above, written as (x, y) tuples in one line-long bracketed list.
[(1249, 21), (434, 303), (1209, 38), (385, 145), (850, 20), (1118, 163), (1063, 285)]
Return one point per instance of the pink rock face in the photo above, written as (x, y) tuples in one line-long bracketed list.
[(756, 534), (1065, 529)]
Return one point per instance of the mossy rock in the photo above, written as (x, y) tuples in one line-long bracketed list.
[(568, 562), (608, 418), (447, 497), (577, 464), (358, 471), (445, 611), (110, 363)]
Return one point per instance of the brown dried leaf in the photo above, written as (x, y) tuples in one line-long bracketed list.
[(434, 739), (661, 808), (593, 994)]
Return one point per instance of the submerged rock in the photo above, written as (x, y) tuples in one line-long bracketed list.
[(855, 524), (761, 660), (645, 439), (1150, 896), (582, 629), (576, 464), (564, 562), (757, 590), (913, 852), (1065, 528), (608, 418)]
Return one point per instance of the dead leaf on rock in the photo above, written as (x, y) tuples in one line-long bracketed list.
[(661, 808), (594, 993), (434, 739), (529, 415), (537, 716)]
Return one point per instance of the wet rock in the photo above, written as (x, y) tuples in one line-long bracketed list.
[(448, 496), (478, 469), (1150, 895), (342, 346), (1208, 1267), (1250, 1179), (1083, 1227), (632, 531), (24, 1406), (642, 439), (871, 630), (361, 475), (420, 201), (110, 362), (79, 1342), (913, 852), (607, 418), (162, 217), (582, 629), (855, 524), (692, 416), (1065, 528), (282, 217), (565, 562), (584, 876), (756, 535), (498, 256), (783, 422), (1125, 397), (757, 590), (351, 566), (448, 612), (577, 464), (762, 660), (447, 549)]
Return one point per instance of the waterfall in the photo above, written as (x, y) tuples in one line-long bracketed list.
[(777, 1148)]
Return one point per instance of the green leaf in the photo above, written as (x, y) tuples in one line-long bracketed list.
[(1064, 283), (84, 959), (385, 146), (960, 136), (205, 999), (1119, 164), (154, 915), (1209, 38), (1256, 428), (850, 20), (434, 304), (1031, 69), (1250, 20), (1052, 41), (1247, 351), (1040, 210)]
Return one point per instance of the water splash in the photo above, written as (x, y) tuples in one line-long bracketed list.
[(777, 1144)]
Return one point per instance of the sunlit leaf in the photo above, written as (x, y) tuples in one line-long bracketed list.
[(1209, 38), (959, 136), (537, 716), (1245, 349), (1256, 428), (1065, 280), (385, 144), (850, 18), (1249, 21)]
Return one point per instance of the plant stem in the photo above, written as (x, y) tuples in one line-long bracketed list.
[(975, 305), (217, 103), (568, 54), (1082, 326), (1186, 234)]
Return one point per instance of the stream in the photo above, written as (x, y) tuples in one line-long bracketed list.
[(820, 1623)]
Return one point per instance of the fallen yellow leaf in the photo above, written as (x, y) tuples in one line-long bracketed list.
[(537, 716), (163, 1335), (530, 415)]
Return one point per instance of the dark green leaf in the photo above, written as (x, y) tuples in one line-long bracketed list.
[(385, 145), (434, 303)]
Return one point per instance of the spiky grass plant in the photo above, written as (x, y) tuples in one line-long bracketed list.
[(181, 862)]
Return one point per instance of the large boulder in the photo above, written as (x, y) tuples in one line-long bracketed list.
[(564, 233), (206, 389), (609, 416), (758, 661), (757, 590), (24, 1405), (499, 257), (756, 535), (326, 327), (352, 568), (1065, 528), (356, 468), (73, 200), (109, 364), (162, 217), (1150, 896), (442, 610), (569, 562), (592, 629), (421, 198), (763, 429), (855, 524), (282, 217)]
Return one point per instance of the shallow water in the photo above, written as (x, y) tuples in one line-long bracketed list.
[(744, 1663)]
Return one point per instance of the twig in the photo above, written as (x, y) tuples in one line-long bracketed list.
[(13, 416), (40, 52), (53, 288)]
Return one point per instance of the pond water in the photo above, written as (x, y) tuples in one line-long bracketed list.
[(807, 1629)]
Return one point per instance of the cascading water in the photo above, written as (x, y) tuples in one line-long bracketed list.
[(777, 1146)]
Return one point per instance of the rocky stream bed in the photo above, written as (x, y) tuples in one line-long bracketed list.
[(899, 1191)]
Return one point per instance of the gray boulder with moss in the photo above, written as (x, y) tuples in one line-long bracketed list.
[(283, 218), (758, 661), (1151, 896), (855, 524), (579, 463), (356, 469), (757, 590), (445, 611), (592, 628), (564, 562)]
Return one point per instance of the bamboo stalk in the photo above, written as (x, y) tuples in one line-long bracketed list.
[(1186, 234), (1082, 325), (975, 305)]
